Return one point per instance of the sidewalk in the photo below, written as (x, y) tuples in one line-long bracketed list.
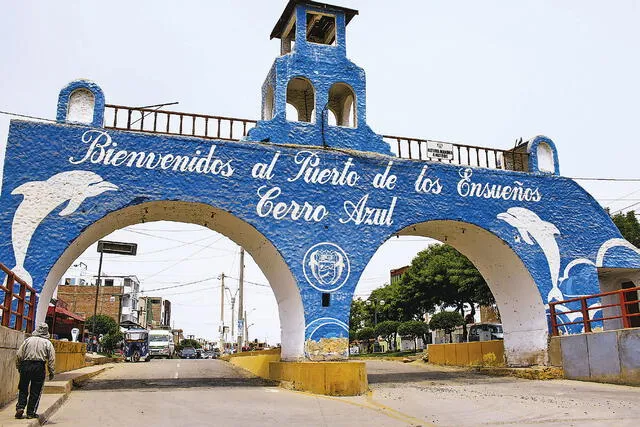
[(54, 395)]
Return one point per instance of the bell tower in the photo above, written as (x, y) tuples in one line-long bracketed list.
[(314, 95)]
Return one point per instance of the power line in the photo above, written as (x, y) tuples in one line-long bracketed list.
[(179, 285), (620, 210), (8, 113), (182, 259), (603, 179)]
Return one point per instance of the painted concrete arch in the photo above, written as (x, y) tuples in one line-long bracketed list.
[(521, 306), (260, 248)]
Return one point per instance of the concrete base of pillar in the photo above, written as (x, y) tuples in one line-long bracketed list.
[(328, 378)]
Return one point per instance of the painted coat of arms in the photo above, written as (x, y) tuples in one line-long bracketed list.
[(326, 267)]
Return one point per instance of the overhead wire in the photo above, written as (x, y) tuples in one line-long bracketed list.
[(182, 259)]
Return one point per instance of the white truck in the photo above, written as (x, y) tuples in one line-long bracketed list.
[(161, 343)]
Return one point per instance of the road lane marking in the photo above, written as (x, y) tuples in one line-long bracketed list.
[(178, 365), (175, 376)]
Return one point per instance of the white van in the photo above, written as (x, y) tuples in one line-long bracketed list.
[(161, 343)]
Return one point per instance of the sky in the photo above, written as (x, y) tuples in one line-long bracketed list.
[(479, 73)]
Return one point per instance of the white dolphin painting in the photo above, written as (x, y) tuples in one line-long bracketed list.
[(532, 228), (43, 197)]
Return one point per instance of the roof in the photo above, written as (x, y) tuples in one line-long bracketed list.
[(288, 11), (64, 312)]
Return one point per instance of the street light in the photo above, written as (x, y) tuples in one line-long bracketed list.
[(233, 311), (106, 247), (376, 304)]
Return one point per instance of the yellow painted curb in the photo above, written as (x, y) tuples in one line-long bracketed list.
[(328, 378)]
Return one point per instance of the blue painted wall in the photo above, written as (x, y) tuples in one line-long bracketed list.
[(556, 228)]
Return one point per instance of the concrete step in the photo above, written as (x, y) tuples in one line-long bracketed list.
[(49, 404), (54, 395)]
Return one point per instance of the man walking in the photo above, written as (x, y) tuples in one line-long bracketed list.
[(32, 355)]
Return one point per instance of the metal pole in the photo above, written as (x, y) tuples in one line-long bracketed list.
[(246, 327), (222, 312), (95, 307), (233, 318), (241, 296)]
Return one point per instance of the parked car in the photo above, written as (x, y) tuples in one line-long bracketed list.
[(188, 353), (216, 353), (485, 332)]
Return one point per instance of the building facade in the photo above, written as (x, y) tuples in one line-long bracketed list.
[(117, 297), (154, 312)]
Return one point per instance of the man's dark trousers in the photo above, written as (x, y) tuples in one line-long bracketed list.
[(32, 373)]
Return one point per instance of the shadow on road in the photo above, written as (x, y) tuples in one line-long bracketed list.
[(161, 383)]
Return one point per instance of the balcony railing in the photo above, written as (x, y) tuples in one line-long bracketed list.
[(515, 159), (626, 299), (152, 120), (24, 315)]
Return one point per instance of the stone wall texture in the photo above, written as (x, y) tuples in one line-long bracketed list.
[(10, 340)]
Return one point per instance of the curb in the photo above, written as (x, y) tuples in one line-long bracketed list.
[(54, 395)]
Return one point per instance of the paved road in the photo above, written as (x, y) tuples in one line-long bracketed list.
[(211, 392), (204, 393), (455, 397)]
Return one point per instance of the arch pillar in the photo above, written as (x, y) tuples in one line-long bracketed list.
[(265, 254), (521, 307)]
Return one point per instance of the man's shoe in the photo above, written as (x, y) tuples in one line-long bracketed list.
[(19, 413), (33, 415)]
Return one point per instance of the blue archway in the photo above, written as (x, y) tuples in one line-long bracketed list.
[(324, 197)]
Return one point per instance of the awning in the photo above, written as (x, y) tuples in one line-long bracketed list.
[(64, 312)]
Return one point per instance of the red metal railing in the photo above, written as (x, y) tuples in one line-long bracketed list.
[(25, 312), (624, 298), (153, 120)]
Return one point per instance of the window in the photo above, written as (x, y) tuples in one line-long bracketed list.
[(546, 162), (267, 109), (301, 96), (108, 282), (321, 28), (81, 105), (342, 105)]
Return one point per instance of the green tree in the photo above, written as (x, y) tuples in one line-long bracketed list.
[(440, 276), (388, 330), (413, 329), (359, 315), (189, 343), (629, 227), (111, 341), (366, 334), (448, 321), (103, 324), (392, 308)]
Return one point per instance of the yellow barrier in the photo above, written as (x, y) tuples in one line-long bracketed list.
[(329, 378), (69, 355), (256, 362), (468, 353)]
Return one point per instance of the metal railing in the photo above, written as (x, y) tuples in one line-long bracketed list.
[(516, 159), (626, 313), (25, 310), (153, 120)]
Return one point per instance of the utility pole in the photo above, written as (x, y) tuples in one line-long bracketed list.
[(241, 302), (246, 327), (222, 312), (95, 307)]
